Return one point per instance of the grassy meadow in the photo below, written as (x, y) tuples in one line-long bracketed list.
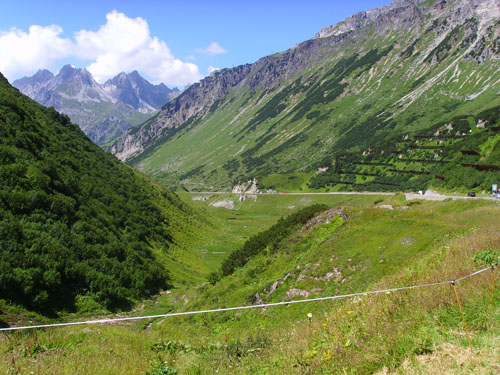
[(416, 331)]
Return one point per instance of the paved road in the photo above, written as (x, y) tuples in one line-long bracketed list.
[(409, 196), (283, 193)]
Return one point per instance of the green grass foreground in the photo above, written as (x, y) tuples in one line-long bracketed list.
[(416, 332)]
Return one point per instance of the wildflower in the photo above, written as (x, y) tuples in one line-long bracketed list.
[(325, 324), (310, 354), (327, 356)]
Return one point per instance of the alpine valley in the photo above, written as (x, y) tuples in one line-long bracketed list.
[(390, 79), (104, 270), (103, 111)]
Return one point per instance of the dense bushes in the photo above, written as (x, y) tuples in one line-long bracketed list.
[(462, 156), (73, 219)]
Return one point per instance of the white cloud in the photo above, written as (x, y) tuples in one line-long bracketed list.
[(122, 44), (212, 69), (125, 44), (24, 53), (212, 49)]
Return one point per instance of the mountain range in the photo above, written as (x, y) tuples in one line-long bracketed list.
[(103, 111), (383, 73)]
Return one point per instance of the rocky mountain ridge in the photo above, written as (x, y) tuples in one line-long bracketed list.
[(103, 111), (383, 64), (265, 73)]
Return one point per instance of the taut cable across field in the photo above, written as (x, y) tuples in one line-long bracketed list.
[(259, 306)]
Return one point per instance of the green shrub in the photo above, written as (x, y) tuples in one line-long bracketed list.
[(487, 257), (269, 238)]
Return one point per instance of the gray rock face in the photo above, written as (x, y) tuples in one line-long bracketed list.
[(137, 92), (102, 111), (401, 16), (398, 15)]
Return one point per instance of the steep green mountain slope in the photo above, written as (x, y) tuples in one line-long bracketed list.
[(76, 222), (462, 153), (374, 76)]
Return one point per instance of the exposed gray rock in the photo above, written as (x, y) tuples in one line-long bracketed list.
[(408, 241), (335, 273), (224, 204), (324, 218), (294, 292), (244, 197), (104, 111), (400, 14), (249, 187), (201, 198), (272, 288), (270, 72)]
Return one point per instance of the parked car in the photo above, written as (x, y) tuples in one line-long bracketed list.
[(471, 194)]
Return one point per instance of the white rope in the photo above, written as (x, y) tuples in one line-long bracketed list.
[(263, 305), (472, 274)]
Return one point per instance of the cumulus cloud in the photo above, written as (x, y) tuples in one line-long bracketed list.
[(212, 49), (125, 44), (121, 44), (23, 53), (212, 69)]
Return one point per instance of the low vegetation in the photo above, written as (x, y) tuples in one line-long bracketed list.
[(269, 239), (373, 248)]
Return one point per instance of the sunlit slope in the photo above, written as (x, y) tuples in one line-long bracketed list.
[(340, 252), (298, 110)]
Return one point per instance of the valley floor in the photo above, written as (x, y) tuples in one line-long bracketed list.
[(409, 332)]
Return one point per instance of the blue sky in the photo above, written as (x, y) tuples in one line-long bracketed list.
[(175, 42)]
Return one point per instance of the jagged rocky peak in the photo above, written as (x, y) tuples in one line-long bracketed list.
[(136, 91), (408, 13), (30, 85), (43, 75), (69, 73), (101, 110), (399, 14)]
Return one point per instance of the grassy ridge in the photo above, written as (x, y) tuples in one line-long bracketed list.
[(269, 238), (374, 248)]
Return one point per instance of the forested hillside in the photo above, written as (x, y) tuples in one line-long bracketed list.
[(74, 221)]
